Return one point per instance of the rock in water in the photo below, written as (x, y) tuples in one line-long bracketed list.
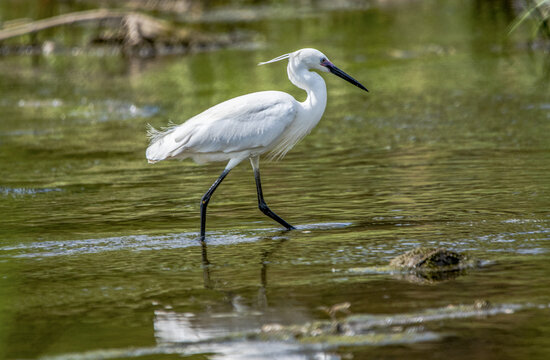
[(428, 258), (433, 263)]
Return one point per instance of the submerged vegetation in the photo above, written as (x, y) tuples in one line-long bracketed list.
[(367, 329)]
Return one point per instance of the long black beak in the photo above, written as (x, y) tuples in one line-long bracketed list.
[(333, 69)]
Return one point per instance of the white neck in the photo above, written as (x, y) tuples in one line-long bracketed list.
[(316, 89), (309, 111)]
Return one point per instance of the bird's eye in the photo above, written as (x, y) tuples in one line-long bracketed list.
[(323, 60)]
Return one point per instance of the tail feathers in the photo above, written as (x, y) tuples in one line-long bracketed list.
[(156, 151), (154, 135)]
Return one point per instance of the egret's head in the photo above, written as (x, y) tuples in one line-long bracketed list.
[(311, 58), (315, 60)]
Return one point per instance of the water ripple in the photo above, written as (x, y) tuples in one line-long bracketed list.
[(177, 335), (143, 242), (15, 192)]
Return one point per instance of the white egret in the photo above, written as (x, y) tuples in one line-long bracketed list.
[(248, 126)]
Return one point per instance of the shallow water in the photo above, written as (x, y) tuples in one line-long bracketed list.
[(99, 253)]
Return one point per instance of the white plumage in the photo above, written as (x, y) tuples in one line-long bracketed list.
[(245, 126), (248, 126)]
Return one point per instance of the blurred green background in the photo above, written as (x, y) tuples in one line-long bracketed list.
[(99, 256)]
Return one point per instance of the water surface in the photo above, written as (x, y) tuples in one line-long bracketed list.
[(99, 251)]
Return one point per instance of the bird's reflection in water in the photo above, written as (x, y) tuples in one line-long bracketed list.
[(267, 253), (205, 266), (219, 326), (265, 260)]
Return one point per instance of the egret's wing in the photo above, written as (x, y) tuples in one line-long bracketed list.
[(247, 122), (243, 123)]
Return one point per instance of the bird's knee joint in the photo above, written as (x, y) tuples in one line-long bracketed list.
[(263, 207)]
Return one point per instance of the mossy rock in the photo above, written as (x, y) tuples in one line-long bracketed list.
[(433, 263), (428, 258)]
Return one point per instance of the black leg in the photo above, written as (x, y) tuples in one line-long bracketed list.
[(263, 206), (206, 198)]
